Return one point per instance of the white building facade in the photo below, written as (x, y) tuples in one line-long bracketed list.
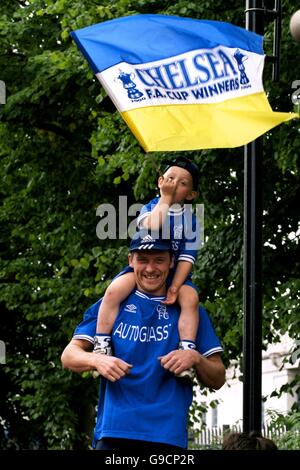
[(276, 371)]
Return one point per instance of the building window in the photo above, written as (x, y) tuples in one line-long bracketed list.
[(214, 417), (204, 413)]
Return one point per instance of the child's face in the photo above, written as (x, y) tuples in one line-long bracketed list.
[(183, 182)]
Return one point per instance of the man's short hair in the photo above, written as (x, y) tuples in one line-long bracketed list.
[(247, 441)]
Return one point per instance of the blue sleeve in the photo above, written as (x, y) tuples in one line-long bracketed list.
[(146, 209), (207, 341), (87, 328), (190, 243)]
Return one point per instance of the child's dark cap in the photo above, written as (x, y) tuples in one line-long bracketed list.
[(186, 164)]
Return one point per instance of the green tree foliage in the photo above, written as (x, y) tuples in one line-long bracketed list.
[(290, 423), (65, 150)]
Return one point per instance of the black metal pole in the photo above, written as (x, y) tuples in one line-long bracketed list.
[(277, 38), (252, 346)]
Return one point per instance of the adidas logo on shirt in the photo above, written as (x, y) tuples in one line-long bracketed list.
[(130, 308)]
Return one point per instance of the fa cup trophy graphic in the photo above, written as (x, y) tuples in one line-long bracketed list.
[(129, 85), (239, 57)]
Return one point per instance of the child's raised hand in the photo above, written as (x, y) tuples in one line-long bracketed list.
[(172, 295), (168, 186)]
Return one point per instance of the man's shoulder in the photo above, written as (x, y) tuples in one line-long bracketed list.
[(92, 310)]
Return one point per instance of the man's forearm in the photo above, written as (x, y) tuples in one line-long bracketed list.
[(210, 371), (77, 359)]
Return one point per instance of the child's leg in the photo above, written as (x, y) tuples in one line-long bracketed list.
[(188, 323), (116, 292), (108, 311), (189, 317)]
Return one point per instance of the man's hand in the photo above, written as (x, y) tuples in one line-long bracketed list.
[(110, 367), (172, 295), (179, 360), (210, 370)]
